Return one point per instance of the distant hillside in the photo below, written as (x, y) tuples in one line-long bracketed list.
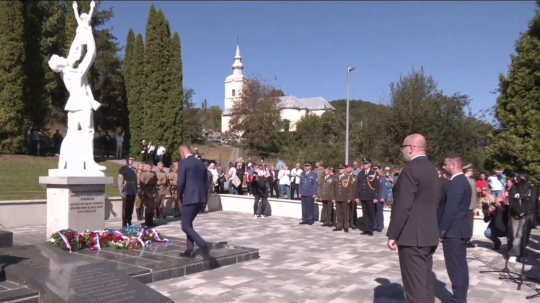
[(356, 107)]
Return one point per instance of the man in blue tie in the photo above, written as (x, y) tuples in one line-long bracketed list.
[(454, 228), (193, 191)]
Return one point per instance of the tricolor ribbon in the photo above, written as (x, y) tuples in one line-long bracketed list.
[(95, 240), (156, 238), (64, 238)]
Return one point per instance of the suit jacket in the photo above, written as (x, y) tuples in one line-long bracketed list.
[(192, 181), (414, 211), (454, 220), (444, 186)]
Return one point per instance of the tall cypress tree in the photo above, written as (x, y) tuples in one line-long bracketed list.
[(160, 108), (517, 143), (127, 69), (136, 100), (172, 115), (14, 122), (153, 76)]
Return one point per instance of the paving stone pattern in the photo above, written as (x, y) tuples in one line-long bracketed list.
[(312, 264)]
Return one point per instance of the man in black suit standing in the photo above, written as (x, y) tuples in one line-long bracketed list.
[(127, 184), (413, 224), (193, 191), (455, 229)]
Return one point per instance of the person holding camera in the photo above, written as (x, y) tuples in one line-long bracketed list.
[(259, 190), (496, 215), (522, 197)]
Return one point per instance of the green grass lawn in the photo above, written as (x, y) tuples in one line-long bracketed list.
[(19, 177)]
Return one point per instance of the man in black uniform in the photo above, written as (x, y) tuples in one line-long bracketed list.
[(367, 192), (127, 184)]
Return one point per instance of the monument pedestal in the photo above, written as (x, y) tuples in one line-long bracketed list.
[(76, 203)]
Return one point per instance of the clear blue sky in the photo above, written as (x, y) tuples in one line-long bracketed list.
[(308, 46)]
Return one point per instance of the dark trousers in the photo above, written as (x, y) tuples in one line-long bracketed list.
[(294, 188), (189, 213), (308, 209), (221, 185), (353, 213), (327, 210), (57, 146), (455, 257), (106, 150), (342, 214), (274, 187), (379, 215), (368, 212), (417, 273), (260, 205), (128, 203)]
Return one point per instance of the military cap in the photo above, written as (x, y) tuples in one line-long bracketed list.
[(307, 163), (366, 160), (376, 166), (341, 167), (467, 166)]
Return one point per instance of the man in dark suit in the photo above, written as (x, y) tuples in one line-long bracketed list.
[(454, 228), (127, 183), (413, 221), (193, 191)]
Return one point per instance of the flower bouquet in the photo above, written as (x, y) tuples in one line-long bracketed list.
[(130, 237)]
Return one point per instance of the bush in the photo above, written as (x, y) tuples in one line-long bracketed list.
[(16, 145)]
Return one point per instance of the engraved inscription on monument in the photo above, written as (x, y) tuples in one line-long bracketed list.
[(86, 206)]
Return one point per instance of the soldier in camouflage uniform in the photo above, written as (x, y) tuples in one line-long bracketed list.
[(139, 206), (173, 182), (163, 186), (326, 195), (342, 196), (148, 186)]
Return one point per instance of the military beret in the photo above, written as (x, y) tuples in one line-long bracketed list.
[(307, 163), (349, 166), (366, 160)]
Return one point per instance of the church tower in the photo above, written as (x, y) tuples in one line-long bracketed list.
[(233, 88)]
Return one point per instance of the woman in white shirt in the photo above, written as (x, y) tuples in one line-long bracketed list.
[(233, 190), (151, 151), (284, 177), (295, 180), (215, 176)]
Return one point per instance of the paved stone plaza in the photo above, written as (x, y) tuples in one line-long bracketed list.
[(311, 264)]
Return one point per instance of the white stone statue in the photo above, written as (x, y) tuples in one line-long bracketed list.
[(77, 150)]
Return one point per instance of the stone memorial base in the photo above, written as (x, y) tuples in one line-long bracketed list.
[(6, 238), (107, 275), (76, 203)]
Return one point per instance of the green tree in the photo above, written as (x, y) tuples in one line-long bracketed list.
[(14, 122), (192, 128), (515, 145), (127, 72), (172, 112), (136, 101), (255, 115)]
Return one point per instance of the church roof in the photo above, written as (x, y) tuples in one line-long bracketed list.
[(316, 103), (291, 102)]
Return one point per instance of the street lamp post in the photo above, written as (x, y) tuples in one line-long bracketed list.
[(349, 70)]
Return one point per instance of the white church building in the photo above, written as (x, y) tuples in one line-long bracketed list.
[(291, 108)]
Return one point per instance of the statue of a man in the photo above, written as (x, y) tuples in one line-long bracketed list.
[(77, 151)]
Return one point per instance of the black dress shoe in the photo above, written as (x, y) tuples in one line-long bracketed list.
[(303, 222), (365, 232), (470, 245), (346, 230), (379, 230), (370, 233), (188, 254), (310, 224), (353, 227), (205, 253), (324, 225), (337, 229)]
